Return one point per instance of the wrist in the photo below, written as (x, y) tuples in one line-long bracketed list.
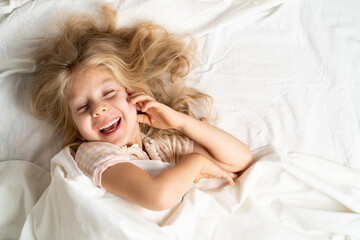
[(181, 119)]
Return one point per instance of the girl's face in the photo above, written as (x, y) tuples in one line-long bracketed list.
[(100, 108)]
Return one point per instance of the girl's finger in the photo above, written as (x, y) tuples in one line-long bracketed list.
[(230, 180), (148, 105), (225, 176), (134, 95), (140, 104), (142, 118), (233, 175), (129, 91), (139, 97)]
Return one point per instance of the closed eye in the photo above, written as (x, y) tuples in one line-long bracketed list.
[(82, 108), (109, 93)]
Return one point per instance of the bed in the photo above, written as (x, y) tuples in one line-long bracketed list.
[(285, 79)]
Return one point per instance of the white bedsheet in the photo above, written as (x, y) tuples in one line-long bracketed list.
[(293, 196), (283, 74), (21, 185)]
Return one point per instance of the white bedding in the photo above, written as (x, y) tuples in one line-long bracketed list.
[(294, 196), (284, 76)]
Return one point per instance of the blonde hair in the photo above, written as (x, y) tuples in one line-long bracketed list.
[(144, 56)]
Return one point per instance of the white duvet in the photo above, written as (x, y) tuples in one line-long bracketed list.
[(291, 196), (285, 78)]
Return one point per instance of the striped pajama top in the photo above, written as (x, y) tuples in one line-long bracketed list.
[(93, 158)]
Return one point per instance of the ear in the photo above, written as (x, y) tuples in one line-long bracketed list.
[(128, 91)]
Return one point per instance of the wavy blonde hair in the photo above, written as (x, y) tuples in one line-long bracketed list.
[(143, 56)]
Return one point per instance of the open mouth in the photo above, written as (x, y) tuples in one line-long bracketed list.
[(112, 126)]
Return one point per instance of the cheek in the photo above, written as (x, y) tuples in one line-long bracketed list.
[(128, 109), (80, 125), (132, 111)]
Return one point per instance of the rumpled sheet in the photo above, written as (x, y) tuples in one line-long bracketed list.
[(282, 73), (21, 185), (281, 196)]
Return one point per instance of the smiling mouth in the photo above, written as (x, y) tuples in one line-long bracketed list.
[(111, 127)]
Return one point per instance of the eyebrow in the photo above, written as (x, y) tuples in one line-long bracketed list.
[(106, 80), (71, 97)]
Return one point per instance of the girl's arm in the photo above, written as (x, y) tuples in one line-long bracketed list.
[(161, 192), (230, 153), (219, 146)]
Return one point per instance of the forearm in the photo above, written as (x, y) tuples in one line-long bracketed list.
[(173, 183), (156, 193), (222, 146)]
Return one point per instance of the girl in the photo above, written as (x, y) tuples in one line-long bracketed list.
[(118, 95)]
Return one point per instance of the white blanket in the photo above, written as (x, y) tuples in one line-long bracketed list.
[(21, 185), (292, 196)]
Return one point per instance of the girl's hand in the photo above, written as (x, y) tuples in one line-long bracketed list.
[(157, 115), (211, 170)]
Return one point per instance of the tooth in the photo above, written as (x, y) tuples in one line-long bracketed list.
[(111, 123)]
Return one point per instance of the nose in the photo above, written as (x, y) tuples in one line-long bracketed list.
[(98, 109)]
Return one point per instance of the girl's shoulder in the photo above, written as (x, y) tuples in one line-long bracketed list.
[(93, 158), (98, 150)]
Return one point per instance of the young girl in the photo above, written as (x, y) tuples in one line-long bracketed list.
[(118, 95)]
